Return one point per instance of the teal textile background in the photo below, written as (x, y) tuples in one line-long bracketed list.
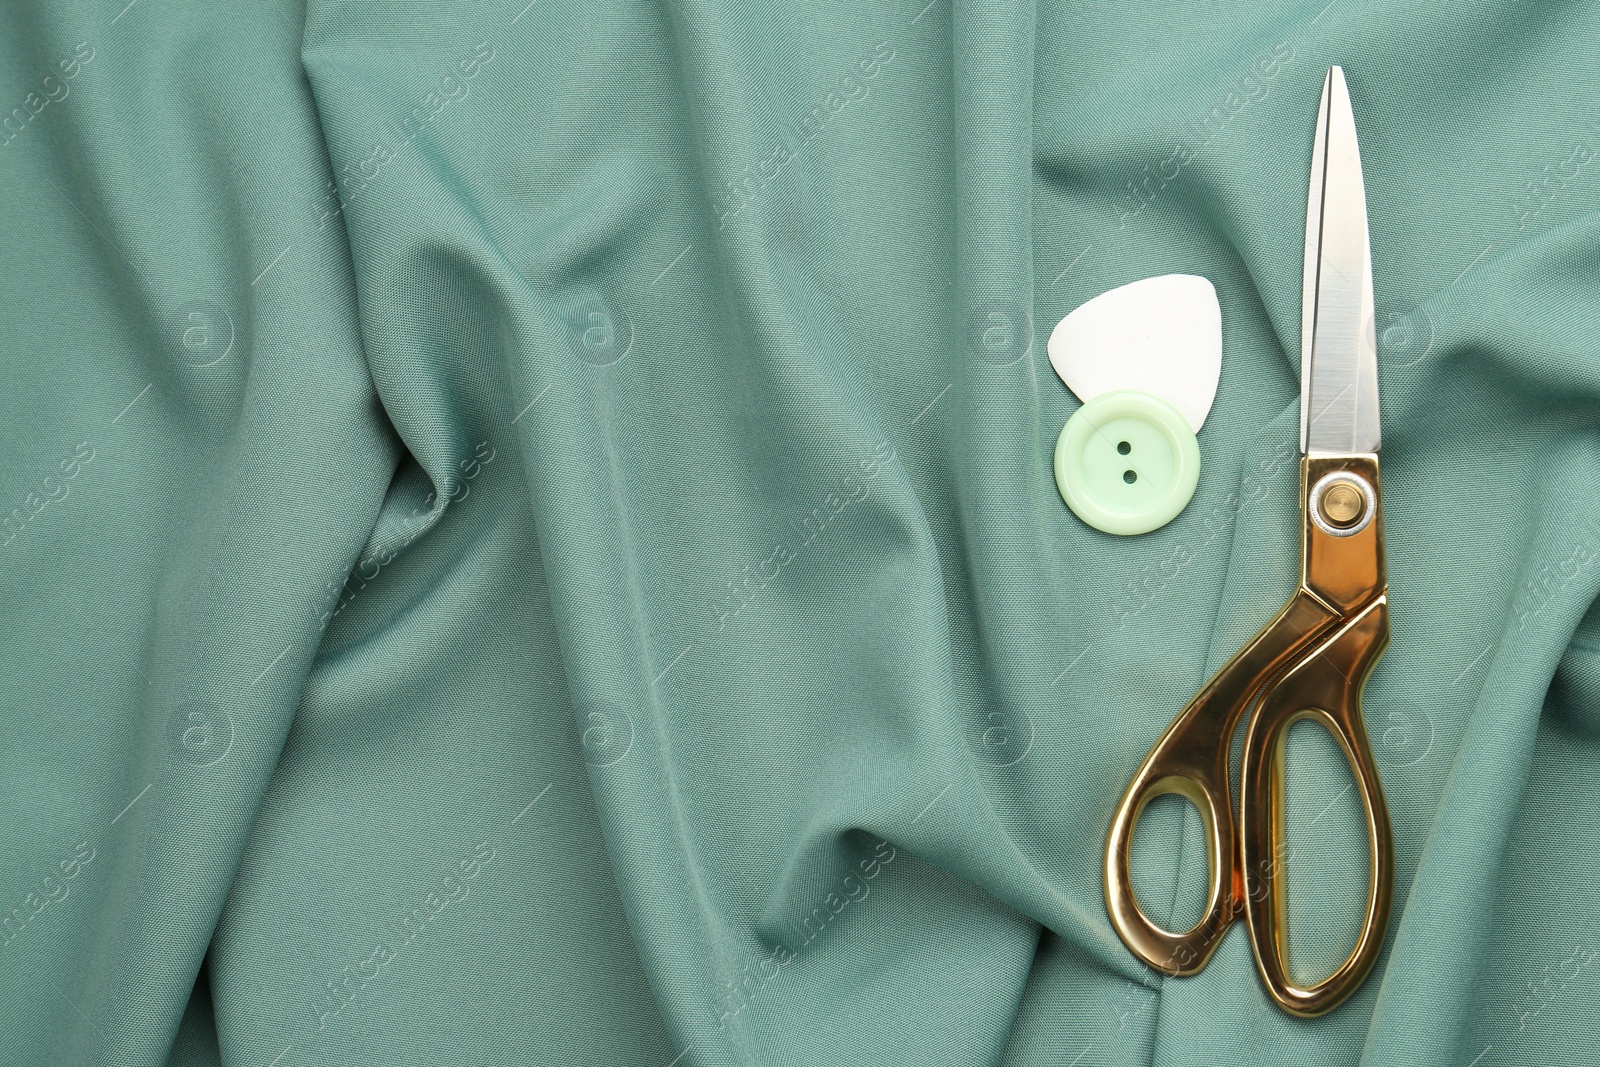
[(529, 535)]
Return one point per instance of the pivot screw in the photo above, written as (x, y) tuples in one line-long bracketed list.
[(1342, 504)]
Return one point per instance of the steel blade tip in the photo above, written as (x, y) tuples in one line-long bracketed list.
[(1336, 87)]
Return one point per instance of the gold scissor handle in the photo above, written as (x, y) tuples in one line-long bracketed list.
[(1325, 686), (1167, 770), (1315, 655), (1191, 760)]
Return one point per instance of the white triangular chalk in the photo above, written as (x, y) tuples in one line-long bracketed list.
[(1158, 335)]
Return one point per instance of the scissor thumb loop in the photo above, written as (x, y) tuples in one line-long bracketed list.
[(1175, 953)]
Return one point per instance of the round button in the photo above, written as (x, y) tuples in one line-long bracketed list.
[(1127, 462)]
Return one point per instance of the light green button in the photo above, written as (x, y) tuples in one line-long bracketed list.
[(1127, 462)]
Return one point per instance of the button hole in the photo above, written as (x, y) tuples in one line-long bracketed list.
[(1130, 477), (1124, 447)]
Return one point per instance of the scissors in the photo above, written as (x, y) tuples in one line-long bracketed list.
[(1311, 661)]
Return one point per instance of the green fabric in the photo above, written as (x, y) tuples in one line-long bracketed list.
[(531, 536)]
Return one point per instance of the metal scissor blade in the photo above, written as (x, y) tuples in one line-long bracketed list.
[(1338, 337)]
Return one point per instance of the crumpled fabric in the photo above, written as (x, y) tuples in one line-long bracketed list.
[(529, 535)]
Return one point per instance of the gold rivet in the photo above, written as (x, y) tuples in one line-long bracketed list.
[(1342, 504)]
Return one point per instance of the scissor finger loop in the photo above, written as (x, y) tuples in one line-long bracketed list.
[(1325, 688)]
